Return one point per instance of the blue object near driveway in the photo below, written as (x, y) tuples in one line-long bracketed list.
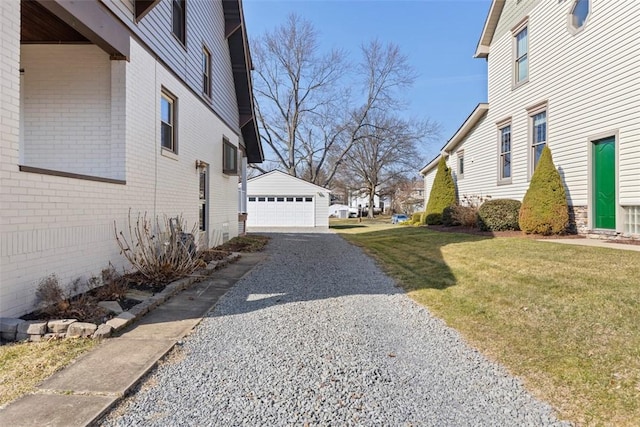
[(398, 218)]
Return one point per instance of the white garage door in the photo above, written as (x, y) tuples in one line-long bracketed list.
[(280, 211)]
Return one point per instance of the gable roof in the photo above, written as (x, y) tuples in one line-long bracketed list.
[(478, 113), (286, 175), (490, 24)]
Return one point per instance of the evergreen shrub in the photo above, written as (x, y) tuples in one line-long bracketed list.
[(443, 194), (499, 215), (544, 208)]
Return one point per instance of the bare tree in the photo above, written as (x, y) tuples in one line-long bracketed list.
[(309, 117), (390, 149), (293, 82)]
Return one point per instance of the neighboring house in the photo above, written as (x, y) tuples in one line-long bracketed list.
[(110, 107), (360, 200), (558, 75), (277, 199)]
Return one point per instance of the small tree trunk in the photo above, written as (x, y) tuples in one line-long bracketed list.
[(372, 195)]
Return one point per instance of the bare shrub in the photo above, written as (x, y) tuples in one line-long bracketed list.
[(54, 301), (466, 216), (465, 213), (114, 286), (50, 296), (159, 250)]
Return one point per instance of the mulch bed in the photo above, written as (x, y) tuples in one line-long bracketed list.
[(478, 232)]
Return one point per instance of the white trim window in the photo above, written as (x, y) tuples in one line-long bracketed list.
[(460, 164), (580, 13), (538, 137), (521, 54), (206, 72), (504, 164), (167, 122)]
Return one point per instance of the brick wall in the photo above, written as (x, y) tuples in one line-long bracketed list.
[(67, 109), (65, 226)]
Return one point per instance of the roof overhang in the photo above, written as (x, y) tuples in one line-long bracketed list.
[(462, 132), (482, 50), (94, 22), (235, 32)]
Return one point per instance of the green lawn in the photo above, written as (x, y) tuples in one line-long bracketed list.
[(566, 319)]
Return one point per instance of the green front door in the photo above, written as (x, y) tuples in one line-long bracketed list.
[(604, 183)]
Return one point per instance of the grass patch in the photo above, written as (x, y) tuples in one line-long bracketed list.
[(363, 225), (25, 365), (563, 318)]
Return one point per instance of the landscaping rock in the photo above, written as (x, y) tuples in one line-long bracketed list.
[(33, 327), (81, 329), (103, 331), (59, 326), (112, 306), (21, 336), (9, 325), (54, 336), (138, 295), (120, 321)]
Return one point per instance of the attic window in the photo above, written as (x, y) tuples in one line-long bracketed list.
[(579, 13)]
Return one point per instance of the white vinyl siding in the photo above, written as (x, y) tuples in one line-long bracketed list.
[(596, 93)]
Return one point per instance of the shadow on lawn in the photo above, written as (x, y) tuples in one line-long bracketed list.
[(347, 226), (309, 267)]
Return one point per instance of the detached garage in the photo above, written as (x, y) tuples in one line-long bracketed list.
[(279, 200)]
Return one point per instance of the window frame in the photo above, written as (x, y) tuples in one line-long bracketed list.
[(203, 195), (573, 28), (179, 6), (173, 116), (517, 59), (532, 144), (502, 154), (206, 72), (226, 169), (460, 164)]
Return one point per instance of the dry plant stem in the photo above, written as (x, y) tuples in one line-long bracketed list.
[(159, 253)]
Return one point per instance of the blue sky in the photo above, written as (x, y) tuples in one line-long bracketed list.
[(438, 36)]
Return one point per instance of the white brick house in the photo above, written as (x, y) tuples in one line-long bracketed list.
[(562, 74), (109, 106)]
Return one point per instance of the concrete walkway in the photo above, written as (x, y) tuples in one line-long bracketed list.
[(595, 243), (86, 389)]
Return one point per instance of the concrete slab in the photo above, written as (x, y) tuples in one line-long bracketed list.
[(594, 243), (112, 368), (55, 410), (84, 390), (293, 230)]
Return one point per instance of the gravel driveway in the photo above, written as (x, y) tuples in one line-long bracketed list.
[(318, 335)]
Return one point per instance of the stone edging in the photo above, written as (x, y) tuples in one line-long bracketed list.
[(38, 330)]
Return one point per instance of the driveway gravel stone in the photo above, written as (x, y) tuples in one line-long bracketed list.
[(319, 335)]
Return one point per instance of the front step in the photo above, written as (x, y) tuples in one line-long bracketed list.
[(610, 235)]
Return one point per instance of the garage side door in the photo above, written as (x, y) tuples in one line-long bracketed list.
[(280, 211)]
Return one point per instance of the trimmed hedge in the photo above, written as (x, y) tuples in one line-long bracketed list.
[(544, 208), (499, 215), (443, 194)]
